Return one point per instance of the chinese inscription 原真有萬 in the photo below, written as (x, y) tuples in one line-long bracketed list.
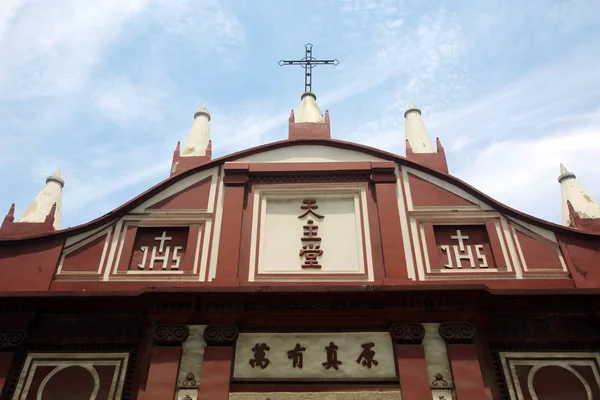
[(260, 356), (297, 355), (366, 358), (367, 355), (311, 242), (332, 360)]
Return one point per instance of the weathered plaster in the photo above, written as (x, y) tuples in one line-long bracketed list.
[(192, 356), (199, 137), (309, 109), (40, 207), (571, 190), (436, 354)]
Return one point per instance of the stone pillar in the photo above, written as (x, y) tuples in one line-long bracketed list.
[(164, 362), (410, 355), (464, 360), (384, 178), (190, 368), (9, 342), (438, 366), (234, 193), (218, 359)]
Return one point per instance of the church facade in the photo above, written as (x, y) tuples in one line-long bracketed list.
[(308, 268)]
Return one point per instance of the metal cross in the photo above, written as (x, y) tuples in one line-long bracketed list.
[(308, 63)]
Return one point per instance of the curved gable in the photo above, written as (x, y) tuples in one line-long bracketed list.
[(293, 151)]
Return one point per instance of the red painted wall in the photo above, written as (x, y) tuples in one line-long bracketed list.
[(30, 266)]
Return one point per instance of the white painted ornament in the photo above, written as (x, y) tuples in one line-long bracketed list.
[(161, 253), (457, 253)]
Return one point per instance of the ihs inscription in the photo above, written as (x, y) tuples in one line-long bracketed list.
[(159, 249), (465, 247)]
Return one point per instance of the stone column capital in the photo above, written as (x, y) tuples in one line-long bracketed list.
[(221, 334), (407, 333), (170, 334), (458, 332), (12, 339)]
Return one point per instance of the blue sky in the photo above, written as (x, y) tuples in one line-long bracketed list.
[(104, 90)]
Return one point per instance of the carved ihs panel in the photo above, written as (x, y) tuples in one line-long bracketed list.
[(463, 247), (159, 249)]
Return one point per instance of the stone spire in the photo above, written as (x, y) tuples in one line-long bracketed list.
[(576, 202), (416, 133), (199, 137), (308, 122), (419, 147), (48, 201), (309, 109), (198, 149)]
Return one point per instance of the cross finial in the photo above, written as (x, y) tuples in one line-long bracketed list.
[(308, 63)]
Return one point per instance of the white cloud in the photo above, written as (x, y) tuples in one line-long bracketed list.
[(124, 102), (49, 48), (523, 172), (206, 23)]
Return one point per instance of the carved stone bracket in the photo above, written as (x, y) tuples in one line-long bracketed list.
[(172, 335), (439, 381), (457, 332), (221, 335), (189, 381), (12, 339), (407, 333)]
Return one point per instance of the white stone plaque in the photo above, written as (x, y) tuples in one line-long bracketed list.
[(298, 232), (319, 356)]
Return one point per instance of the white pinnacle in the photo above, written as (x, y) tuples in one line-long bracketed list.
[(40, 207), (309, 109), (571, 190), (416, 132), (199, 137)]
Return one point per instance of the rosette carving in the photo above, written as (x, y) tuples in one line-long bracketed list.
[(9, 339), (171, 334), (407, 333), (457, 332), (220, 335)]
